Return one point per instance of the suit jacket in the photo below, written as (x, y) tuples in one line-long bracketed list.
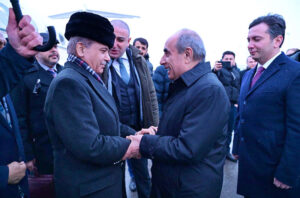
[(188, 151), (12, 67), (29, 98), (148, 100), (84, 130), (268, 130)]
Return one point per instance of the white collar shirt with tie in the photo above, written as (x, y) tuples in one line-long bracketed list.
[(125, 60), (268, 63), (46, 68)]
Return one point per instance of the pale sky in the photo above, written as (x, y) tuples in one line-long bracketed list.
[(223, 25)]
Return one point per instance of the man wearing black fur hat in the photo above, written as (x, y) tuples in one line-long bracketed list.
[(130, 83), (82, 117)]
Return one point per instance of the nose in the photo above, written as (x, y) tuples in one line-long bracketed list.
[(250, 45), (107, 57), (163, 60)]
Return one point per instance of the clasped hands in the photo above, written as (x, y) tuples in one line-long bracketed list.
[(133, 150)]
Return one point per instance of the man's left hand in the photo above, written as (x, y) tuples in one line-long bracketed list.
[(281, 185)]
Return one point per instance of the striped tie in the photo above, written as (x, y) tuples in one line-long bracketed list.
[(52, 72), (259, 72), (123, 72)]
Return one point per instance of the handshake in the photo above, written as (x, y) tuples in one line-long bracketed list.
[(133, 150)]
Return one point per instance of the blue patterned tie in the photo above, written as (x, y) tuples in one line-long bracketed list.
[(123, 72), (52, 72)]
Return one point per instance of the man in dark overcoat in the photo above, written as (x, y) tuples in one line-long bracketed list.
[(268, 125), (15, 58), (82, 117), (188, 151), (29, 98)]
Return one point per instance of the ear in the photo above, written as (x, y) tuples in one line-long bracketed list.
[(129, 39), (80, 48), (277, 41), (188, 55)]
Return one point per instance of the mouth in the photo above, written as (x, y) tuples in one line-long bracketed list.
[(114, 51), (53, 56)]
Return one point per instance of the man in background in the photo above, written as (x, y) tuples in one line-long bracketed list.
[(142, 45), (128, 80), (229, 75), (251, 63), (29, 98)]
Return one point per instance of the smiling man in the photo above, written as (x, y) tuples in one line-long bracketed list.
[(129, 82), (268, 124), (188, 151), (82, 117)]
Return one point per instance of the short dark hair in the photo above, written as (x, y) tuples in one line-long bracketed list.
[(275, 22), (228, 52), (141, 40)]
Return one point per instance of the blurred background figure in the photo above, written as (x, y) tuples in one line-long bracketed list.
[(294, 53), (251, 63), (161, 82), (142, 45), (229, 75)]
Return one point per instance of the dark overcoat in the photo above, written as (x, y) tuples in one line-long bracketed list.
[(29, 98), (84, 130), (12, 69), (268, 130), (188, 151)]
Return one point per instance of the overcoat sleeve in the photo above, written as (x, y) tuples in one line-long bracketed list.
[(12, 68), (3, 176), (20, 98), (202, 125), (288, 170)]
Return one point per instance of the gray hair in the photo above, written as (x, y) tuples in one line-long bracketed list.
[(189, 38), (71, 49), (121, 24)]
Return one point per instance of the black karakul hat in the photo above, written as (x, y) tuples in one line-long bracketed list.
[(91, 26)]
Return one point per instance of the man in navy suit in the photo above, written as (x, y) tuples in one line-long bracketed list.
[(14, 59), (268, 127)]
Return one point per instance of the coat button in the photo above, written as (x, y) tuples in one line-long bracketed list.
[(242, 139), (245, 102), (242, 121)]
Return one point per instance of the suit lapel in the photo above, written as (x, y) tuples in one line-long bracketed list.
[(4, 122), (100, 90), (269, 72)]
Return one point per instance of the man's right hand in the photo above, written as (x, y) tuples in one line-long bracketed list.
[(22, 37), (217, 66), (16, 171)]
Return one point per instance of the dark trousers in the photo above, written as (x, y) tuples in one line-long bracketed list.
[(231, 121), (141, 176)]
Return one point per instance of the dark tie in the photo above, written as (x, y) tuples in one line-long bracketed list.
[(52, 72), (123, 72), (4, 111), (259, 72)]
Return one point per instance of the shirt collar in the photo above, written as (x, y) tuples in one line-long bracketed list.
[(268, 63), (45, 67), (190, 76)]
